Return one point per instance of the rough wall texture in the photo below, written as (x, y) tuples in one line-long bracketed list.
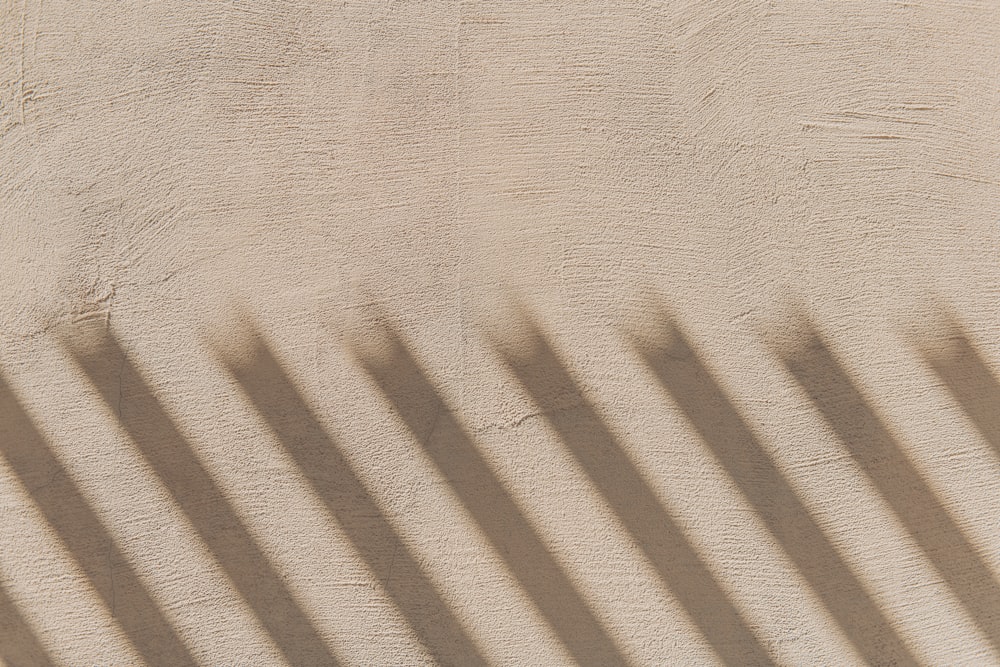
[(521, 333)]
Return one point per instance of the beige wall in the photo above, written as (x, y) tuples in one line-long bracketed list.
[(519, 333)]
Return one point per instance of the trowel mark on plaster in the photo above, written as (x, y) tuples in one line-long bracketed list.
[(20, 61)]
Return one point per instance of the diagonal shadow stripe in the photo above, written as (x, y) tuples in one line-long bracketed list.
[(18, 644), (885, 463), (76, 523), (973, 385), (321, 461), (202, 501), (461, 463), (693, 389), (611, 470)]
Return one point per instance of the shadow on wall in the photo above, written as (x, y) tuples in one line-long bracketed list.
[(688, 382), (453, 451), (216, 522), (651, 525), (18, 644), (77, 525), (322, 462), (970, 380), (889, 469), (519, 545)]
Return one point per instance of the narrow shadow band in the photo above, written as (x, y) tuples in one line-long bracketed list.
[(973, 385), (321, 461), (194, 490), (18, 644), (83, 534), (657, 533), (690, 384), (461, 463)]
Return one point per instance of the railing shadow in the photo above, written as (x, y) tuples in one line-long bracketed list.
[(193, 489), (971, 382), (322, 462), (609, 467), (692, 387), (890, 470), (443, 438), (18, 644), (685, 378), (77, 525)]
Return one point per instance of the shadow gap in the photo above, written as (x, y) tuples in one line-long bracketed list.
[(658, 534), (460, 462), (323, 463), (192, 487), (85, 537), (890, 470), (692, 387)]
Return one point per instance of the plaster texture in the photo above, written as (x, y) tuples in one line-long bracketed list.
[(515, 333)]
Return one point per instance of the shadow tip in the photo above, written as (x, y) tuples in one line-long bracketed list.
[(517, 335), (374, 342), (938, 334), (236, 347), (86, 334), (793, 334)]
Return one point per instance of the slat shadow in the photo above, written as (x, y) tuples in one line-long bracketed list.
[(321, 461), (609, 467), (83, 534), (192, 487), (890, 470), (18, 644), (460, 462), (690, 384), (971, 382), (686, 379)]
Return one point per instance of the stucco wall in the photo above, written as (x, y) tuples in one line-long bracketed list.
[(521, 333)]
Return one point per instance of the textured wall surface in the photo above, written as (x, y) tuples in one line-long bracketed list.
[(515, 333)]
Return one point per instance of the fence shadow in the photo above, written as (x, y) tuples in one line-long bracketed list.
[(171, 456), (453, 451), (692, 387), (971, 382), (684, 376), (77, 525), (890, 470), (654, 529), (323, 463), (18, 644)]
